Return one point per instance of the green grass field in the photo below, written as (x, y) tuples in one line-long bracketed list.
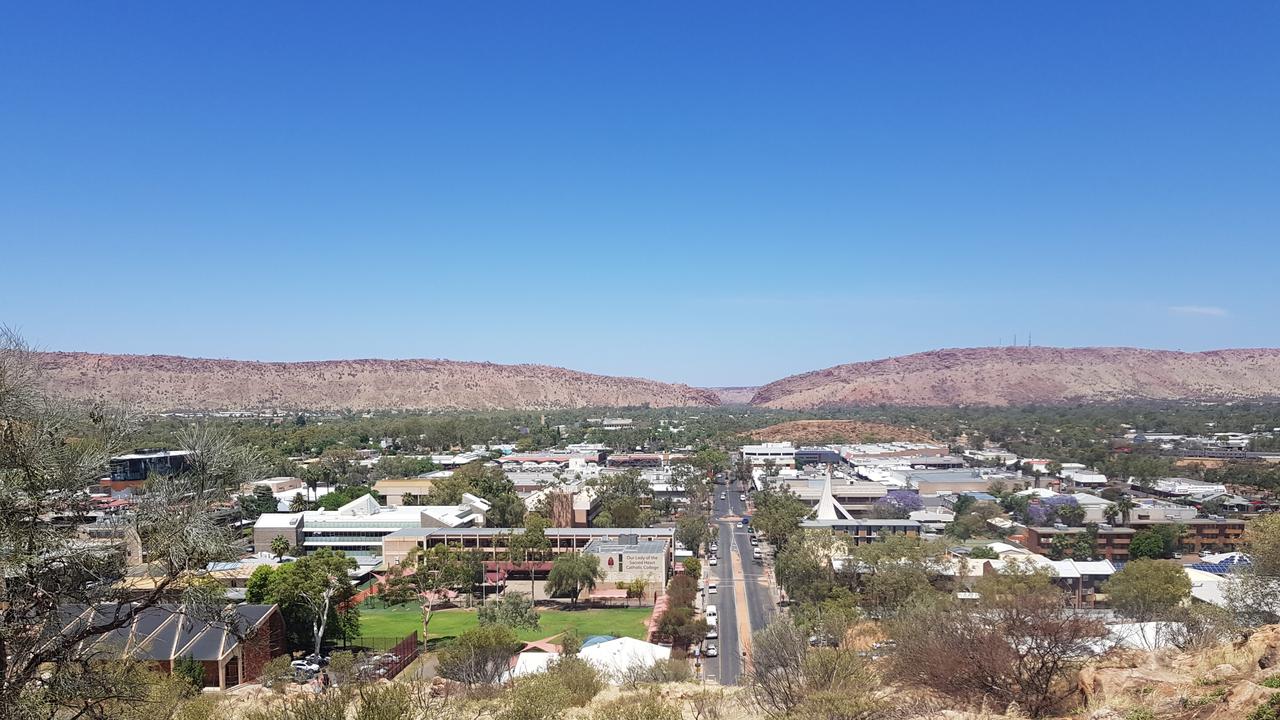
[(400, 620)]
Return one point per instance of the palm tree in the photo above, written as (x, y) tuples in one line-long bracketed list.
[(1124, 506), (1111, 513)]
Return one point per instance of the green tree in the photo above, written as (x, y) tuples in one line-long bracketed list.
[(1146, 544), (778, 514), (693, 531), (531, 546), (279, 547), (479, 656), (1145, 589), (313, 590), (571, 573), (429, 575), (298, 503), (512, 609), (483, 481), (693, 567), (983, 552), (258, 588)]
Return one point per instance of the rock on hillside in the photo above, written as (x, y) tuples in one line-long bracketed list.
[(1035, 375), (807, 432), (158, 383)]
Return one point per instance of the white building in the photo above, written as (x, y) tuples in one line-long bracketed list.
[(358, 527), (782, 454)]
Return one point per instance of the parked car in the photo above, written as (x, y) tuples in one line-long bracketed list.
[(713, 561), (712, 650), (712, 632), (711, 589), (743, 497)]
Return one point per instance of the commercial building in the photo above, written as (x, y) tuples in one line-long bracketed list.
[(780, 454), (1161, 511), (855, 496), (932, 482), (126, 472), (492, 543), (865, 531), (358, 527)]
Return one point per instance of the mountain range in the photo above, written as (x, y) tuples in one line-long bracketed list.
[(968, 376)]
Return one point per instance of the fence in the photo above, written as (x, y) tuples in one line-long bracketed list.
[(405, 650)]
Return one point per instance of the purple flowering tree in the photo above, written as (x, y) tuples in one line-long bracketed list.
[(897, 504)]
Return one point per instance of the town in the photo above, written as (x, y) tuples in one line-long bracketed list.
[(496, 563)]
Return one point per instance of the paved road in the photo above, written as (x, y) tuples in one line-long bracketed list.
[(744, 598)]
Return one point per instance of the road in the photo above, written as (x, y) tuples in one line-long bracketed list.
[(744, 597)]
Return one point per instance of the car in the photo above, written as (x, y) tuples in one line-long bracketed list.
[(743, 497), (711, 589), (712, 632), (755, 541), (756, 553), (742, 523), (724, 496), (713, 561), (711, 611), (715, 546), (712, 650)]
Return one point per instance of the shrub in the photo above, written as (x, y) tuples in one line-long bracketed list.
[(536, 697), (189, 669), (639, 706), (1272, 682), (577, 676), (1268, 710)]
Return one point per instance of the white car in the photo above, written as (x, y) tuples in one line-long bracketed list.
[(711, 589), (711, 611), (713, 561), (724, 496), (712, 632), (743, 497), (712, 651)]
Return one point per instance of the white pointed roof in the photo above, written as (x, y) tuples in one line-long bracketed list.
[(828, 508)]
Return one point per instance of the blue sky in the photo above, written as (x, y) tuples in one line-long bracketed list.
[(711, 193)]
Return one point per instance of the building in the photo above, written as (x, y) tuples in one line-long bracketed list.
[(780, 454), (1161, 511), (627, 558), (1204, 535), (855, 496), (820, 455), (932, 482), (494, 542), (394, 490), (358, 527), (644, 460), (858, 454), (1081, 580), (232, 651), (129, 471), (1184, 488), (865, 531), (1113, 542)]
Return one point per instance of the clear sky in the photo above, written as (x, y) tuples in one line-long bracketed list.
[(711, 193)]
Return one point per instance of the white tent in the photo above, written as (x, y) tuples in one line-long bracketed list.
[(614, 657)]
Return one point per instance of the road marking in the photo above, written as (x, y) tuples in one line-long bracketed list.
[(740, 602)]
